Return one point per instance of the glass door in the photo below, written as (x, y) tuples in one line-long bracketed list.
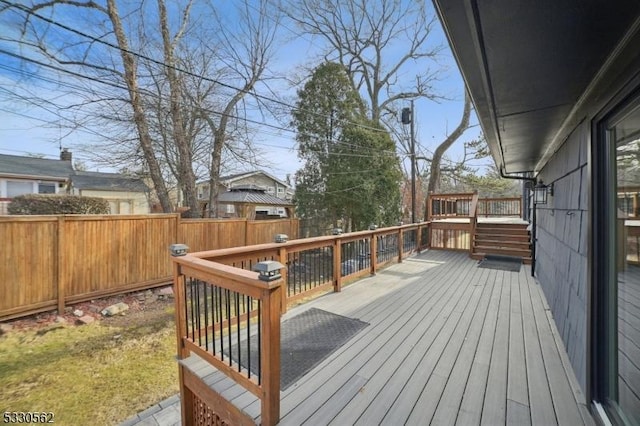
[(617, 298)]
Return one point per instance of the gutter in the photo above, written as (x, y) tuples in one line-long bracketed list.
[(35, 177)]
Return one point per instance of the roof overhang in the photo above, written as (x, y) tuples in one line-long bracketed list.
[(529, 66), (34, 177)]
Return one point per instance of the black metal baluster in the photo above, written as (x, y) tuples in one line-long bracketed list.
[(228, 303), (249, 303), (186, 307), (237, 297), (191, 297), (199, 284), (206, 317), (214, 313), (259, 342), (220, 323), (316, 269)]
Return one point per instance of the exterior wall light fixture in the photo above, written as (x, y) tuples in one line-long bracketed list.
[(540, 192)]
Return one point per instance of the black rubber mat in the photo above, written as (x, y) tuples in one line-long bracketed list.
[(501, 263), (305, 341)]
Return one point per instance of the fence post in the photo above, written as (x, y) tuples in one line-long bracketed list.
[(373, 249), (337, 271), (246, 231), (270, 356), (400, 244), (178, 233), (61, 278)]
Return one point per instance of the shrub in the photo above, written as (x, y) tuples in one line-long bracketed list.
[(35, 204)]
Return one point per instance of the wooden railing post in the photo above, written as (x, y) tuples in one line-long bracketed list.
[(270, 355), (473, 219), (400, 244), (373, 249), (419, 238), (181, 332), (337, 261)]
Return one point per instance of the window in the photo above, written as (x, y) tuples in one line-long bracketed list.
[(15, 188), (46, 188), (120, 206), (270, 190), (616, 365), (280, 191)]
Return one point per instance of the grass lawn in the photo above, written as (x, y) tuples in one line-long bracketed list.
[(101, 373)]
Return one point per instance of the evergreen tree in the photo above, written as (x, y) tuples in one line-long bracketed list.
[(351, 176)]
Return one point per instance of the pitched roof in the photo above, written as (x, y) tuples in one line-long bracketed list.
[(35, 167), (236, 176), (108, 182), (251, 195)]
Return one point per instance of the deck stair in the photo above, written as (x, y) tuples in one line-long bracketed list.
[(510, 239)]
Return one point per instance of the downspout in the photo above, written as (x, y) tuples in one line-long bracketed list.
[(533, 219)]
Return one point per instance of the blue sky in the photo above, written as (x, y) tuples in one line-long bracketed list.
[(26, 129)]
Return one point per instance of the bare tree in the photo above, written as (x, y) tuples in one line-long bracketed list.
[(175, 114), (245, 55), (376, 42), (435, 170), (380, 43)]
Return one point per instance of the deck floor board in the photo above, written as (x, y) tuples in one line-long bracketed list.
[(447, 343)]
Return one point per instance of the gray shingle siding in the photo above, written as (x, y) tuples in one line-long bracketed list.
[(561, 250)]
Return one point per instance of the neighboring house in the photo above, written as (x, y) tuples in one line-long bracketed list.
[(255, 179), (28, 175), (556, 87), (125, 194), (254, 203)]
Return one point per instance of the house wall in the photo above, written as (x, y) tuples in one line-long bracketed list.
[(561, 248), (121, 201), (262, 181), (59, 186), (34, 185)]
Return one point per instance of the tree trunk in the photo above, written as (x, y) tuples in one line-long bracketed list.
[(187, 180), (435, 173), (214, 172), (139, 116)]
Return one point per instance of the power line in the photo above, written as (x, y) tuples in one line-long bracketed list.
[(221, 114), (173, 67)]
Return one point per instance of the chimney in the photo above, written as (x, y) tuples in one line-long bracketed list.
[(65, 154)]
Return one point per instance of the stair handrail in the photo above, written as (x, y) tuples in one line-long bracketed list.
[(473, 219)]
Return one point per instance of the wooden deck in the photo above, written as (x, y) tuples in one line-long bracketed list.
[(448, 343)]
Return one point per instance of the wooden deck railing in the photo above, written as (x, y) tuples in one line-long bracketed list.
[(224, 313), (491, 207), (446, 206), (450, 206), (216, 306)]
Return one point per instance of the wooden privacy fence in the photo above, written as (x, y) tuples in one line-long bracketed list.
[(224, 312), (50, 261)]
